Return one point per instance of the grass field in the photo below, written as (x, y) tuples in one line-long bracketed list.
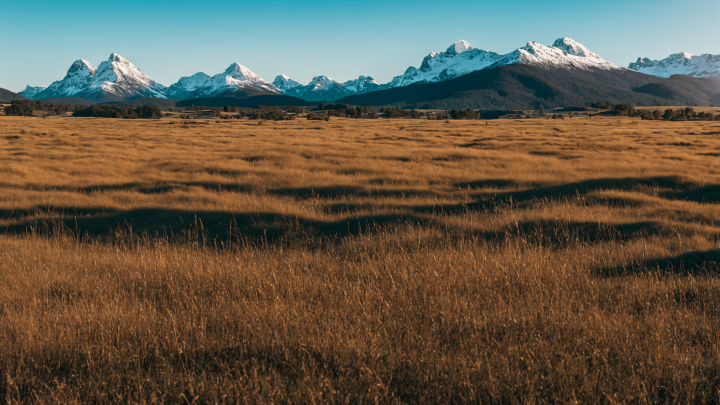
[(359, 261)]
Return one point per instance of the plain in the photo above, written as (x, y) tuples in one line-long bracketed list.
[(357, 261)]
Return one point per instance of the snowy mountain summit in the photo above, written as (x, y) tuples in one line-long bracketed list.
[(462, 58), (683, 63), (115, 79)]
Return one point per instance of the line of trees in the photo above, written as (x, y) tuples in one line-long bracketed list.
[(682, 114), (103, 111), (26, 108)]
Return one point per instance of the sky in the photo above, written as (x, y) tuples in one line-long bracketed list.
[(339, 39)]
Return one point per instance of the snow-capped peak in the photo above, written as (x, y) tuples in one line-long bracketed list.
[(686, 55), (117, 58), (240, 72), (460, 47)]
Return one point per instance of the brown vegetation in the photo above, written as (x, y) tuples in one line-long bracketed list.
[(355, 261)]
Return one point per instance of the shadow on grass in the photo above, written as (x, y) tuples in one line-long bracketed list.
[(211, 225), (270, 227), (669, 187), (674, 189), (693, 263), (678, 188), (217, 226)]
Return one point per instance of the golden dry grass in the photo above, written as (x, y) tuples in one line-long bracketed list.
[(355, 261)]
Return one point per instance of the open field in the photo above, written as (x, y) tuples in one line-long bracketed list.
[(359, 261)]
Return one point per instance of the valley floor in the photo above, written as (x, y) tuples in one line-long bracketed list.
[(390, 261)]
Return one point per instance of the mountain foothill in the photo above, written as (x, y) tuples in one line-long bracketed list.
[(531, 77)]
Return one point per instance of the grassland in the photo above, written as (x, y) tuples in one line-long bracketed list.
[(359, 261)]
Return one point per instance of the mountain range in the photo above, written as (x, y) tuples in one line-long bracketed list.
[(458, 68)]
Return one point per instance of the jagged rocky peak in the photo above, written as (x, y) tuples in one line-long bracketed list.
[(322, 82), (81, 67), (117, 58)]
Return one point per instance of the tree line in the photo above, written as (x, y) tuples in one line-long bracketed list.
[(681, 114), (103, 111), (26, 108)]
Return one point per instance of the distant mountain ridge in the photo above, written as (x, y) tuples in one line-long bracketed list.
[(236, 78), (323, 88), (523, 87), (186, 86), (684, 63)]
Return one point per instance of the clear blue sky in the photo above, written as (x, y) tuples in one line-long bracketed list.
[(340, 39)]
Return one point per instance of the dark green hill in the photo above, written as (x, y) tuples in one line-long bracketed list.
[(7, 96), (69, 100), (519, 87), (144, 101), (250, 102)]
